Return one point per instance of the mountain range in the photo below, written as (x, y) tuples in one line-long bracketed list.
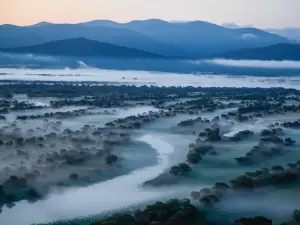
[(195, 39), (291, 33), (273, 52), (82, 47)]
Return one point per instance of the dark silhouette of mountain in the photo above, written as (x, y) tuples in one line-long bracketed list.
[(82, 47), (196, 39), (15, 36), (273, 52), (202, 39)]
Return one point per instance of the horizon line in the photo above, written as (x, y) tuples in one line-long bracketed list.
[(168, 21)]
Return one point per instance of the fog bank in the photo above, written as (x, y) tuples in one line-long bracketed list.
[(147, 78), (257, 63), (120, 192)]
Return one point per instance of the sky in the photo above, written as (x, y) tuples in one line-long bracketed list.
[(260, 13)]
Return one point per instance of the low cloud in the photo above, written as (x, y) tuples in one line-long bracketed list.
[(29, 57), (248, 36), (257, 63)]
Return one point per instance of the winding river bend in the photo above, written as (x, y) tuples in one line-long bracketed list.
[(98, 198)]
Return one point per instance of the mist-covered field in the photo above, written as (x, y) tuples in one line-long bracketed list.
[(81, 146), (157, 149), (102, 76)]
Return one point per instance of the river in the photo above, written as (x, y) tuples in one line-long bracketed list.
[(98, 198)]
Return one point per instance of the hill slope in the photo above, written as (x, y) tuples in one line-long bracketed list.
[(273, 52), (198, 38), (14, 36), (292, 33), (192, 39), (82, 47), (202, 39)]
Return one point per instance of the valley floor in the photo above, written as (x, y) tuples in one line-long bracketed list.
[(84, 150)]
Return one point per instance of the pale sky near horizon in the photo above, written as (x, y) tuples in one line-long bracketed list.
[(260, 13)]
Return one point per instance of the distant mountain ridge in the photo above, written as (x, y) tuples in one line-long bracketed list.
[(274, 52), (14, 36), (199, 38), (195, 39), (82, 47), (292, 33)]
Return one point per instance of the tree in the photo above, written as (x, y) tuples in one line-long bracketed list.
[(258, 220), (193, 157), (111, 159), (214, 135), (296, 216), (180, 170)]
